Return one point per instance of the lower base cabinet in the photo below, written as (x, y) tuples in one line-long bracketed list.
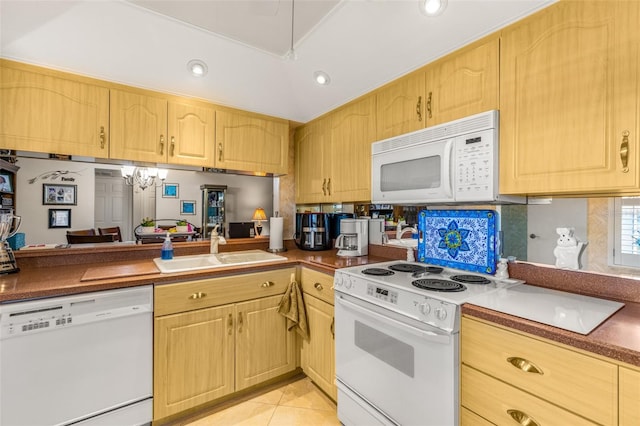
[(317, 357), (209, 352), (629, 397)]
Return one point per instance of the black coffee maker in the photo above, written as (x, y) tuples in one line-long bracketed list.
[(313, 231)]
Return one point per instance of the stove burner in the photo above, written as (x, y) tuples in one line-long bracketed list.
[(470, 279), (438, 285), (407, 267), (377, 271)]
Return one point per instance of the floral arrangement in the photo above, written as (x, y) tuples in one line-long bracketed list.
[(181, 223), (147, 221)]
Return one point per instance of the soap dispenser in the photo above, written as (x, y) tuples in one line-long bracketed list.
[(167, 248)]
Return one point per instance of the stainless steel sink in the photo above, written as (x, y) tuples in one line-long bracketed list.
[(209, 261)]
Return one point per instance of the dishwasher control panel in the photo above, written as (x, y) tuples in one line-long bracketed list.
[(31, 320)]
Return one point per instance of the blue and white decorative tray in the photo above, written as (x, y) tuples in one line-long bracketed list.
[(461, 239)]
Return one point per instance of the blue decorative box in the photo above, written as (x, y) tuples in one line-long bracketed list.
[(461, 239), (16, 241)]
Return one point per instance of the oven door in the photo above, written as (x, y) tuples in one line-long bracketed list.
[(414, 174), (406, 370)]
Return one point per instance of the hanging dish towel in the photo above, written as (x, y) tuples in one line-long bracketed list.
[(292, 308)]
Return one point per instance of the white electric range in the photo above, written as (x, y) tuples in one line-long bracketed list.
[(397, 341)]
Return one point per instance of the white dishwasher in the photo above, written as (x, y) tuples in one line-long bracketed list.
[(83, 359)]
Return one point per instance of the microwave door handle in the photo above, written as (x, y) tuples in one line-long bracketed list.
[(429, 335), (448, 164)]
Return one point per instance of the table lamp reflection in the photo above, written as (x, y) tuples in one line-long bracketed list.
[(258, 216)]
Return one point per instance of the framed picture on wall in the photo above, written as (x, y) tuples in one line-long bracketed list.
[(5, 183), (187, 207), (59, 218), (59, 194), (170, 190)]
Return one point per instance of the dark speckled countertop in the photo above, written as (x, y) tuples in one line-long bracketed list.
[(92, 268)]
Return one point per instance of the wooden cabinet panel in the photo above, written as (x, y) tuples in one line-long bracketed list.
[(179, 297), (502, 404), (352, 132), (469, 418), (318, 353), (45, 113), (569, 90), (264, 347), (193, 359), (629, 397), (317, 284), (400, 106), (579, 383), (191, 134), (251, 143), (464, 83), (138, 127), (313, 165)]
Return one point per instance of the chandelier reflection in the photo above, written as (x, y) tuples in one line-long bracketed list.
[(144, 177)]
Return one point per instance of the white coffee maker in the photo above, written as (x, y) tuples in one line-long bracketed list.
[(354, 238)]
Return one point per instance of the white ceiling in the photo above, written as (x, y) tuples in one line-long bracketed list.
[(361, 44)]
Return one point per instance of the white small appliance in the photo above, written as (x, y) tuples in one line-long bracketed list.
[(354, 238), (454, 162), (376, 231)]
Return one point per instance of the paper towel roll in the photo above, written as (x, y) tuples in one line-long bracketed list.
[(276, 226)]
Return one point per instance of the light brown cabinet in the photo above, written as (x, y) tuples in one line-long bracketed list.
[(249, 142), (508, 375), (318, 353), (569, 91), (52, 113), (313, 162), (217, 336), (629, 397), (463, 83), (155, 129), (400, 106)]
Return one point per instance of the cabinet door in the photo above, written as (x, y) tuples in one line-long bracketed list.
[(264, 347), (629, 397), (463, 84), (251, 143), (138, 127), (569, 93), (191, 134), (400, 106), (312, 162), (44, 113), (318, 353), (193, 359), (353, 129)]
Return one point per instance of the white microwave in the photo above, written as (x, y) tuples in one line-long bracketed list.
[(454, 162)]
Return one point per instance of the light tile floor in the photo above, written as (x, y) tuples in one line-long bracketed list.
[(296, 403)]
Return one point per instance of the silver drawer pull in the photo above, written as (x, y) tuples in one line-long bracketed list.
[(522, 418), (524, 365), (267, 284), (198, 295), (318, 286)]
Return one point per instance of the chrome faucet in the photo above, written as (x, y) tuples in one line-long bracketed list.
[(400, 231)]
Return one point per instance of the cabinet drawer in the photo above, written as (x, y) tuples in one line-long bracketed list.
[(469, 418), (579, 383), (502, 404), (317, 284), (190, 295)]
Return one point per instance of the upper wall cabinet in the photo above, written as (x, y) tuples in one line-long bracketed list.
[(250, 142), (400, 106), (138, 127), (191, 133), (46, 113), (352, 130), (313, 162), (569, 100), (463, 83)]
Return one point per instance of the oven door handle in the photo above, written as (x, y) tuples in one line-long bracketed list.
[(423, 334)]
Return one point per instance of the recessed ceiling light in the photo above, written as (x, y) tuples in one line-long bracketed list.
[(432, 7), (197, 68), (321, 77)]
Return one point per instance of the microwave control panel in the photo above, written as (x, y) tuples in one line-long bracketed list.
[(474, 156)]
